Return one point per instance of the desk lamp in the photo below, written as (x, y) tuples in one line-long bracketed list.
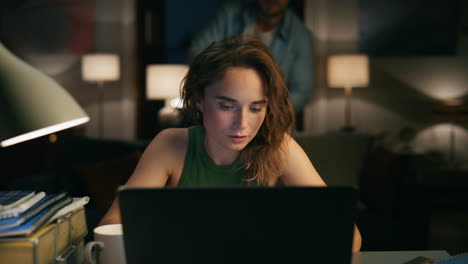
[(348, 71), (100, 68), (163, 82), (31, 103)]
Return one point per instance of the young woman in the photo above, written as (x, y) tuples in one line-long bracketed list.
[(236, 94)]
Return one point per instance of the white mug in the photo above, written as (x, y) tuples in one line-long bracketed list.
[(110, 246)]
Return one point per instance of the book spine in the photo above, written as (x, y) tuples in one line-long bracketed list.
[(22, 218), (41, 207), (13, 212), (25, 195), (75, 204), (54, 208), (8, 214), (455, 259)]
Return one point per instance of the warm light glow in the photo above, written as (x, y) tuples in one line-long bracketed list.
[(52, 64), (164, 81), (348, 71), (100, 67), (437, 138), (53, 138), (43, 131), (445, 89), (440, 78), (177, 103)]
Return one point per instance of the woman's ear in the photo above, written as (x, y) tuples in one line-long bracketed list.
[(199, 105)]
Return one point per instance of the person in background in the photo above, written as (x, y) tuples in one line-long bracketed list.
[(235, 95), (280, 29)]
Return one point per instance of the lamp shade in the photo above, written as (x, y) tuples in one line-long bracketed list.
[(31, 103), (163, 81), (348, 71), (100, 67)]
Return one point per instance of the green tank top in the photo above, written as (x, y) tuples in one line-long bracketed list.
[(200, 170)]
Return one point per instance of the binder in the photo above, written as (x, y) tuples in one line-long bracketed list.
[(49, 244)]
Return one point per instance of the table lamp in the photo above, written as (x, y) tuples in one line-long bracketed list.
[(163, 82), (453, 112), (348, 71), (31, 103), (100, 68)]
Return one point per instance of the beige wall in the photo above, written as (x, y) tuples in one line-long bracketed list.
[(115, 32)]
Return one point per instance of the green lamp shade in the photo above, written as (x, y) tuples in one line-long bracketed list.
[(31, 103)]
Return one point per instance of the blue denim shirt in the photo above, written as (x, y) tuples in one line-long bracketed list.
[(291, 45)]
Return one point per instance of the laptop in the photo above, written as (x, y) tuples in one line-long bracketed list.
[(238, 225)]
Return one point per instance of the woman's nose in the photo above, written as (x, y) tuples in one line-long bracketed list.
[(240, 119)]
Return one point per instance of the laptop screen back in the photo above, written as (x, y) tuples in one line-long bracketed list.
[(238, 225)]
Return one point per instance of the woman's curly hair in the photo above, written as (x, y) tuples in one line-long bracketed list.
[(263, 157)]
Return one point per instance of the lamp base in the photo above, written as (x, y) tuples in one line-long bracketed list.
[(348, 129), (169, 116)]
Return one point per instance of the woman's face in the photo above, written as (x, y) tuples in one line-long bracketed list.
[(233, 110)]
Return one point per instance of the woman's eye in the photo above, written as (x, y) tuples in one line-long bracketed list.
[(226, 106), (255, 109)]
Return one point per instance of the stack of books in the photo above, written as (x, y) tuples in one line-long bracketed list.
[(36, 227)]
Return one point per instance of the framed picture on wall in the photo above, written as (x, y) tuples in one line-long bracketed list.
[(409, 27)]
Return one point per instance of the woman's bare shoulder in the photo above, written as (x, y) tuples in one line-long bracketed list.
[(171, 139), (298, 170), (162, 159)]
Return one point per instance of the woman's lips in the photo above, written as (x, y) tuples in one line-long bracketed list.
[(238, 139)]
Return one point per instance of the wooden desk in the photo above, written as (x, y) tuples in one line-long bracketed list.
[(394, 257)]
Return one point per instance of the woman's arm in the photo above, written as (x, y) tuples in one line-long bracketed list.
[(357, 240), (299, 171), (156, 167)]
